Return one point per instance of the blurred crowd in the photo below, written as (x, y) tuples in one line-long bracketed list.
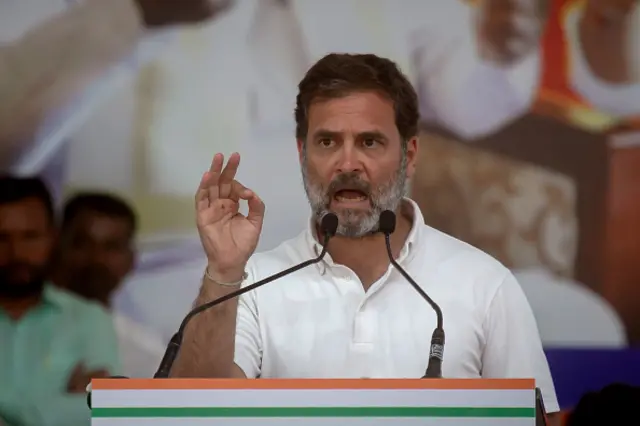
[(58, 273)]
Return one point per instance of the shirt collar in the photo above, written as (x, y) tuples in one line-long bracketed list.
[(51, 297), (408, 206)]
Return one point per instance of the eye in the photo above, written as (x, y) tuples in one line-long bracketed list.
[(370, 143), (325, 142)]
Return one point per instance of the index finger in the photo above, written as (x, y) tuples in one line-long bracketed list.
[(230, 170)]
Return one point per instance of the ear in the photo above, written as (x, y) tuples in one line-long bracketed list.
[(131, 261), (300, 144), (412, 156), (127, 262)]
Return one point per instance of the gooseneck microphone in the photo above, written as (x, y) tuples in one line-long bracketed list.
[(434, 368), (328, 227)]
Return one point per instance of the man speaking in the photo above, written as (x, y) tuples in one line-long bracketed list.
[(352, 314)]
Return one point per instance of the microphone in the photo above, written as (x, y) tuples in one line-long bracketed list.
[(436, 353), (328, 226)]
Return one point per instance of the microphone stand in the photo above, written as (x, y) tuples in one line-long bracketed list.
[(436, 351)]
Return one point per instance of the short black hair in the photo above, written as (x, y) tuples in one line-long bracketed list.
[(98, 202), (597, 408), (14, 189)]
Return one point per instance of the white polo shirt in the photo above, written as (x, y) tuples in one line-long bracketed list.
[(320, 323)]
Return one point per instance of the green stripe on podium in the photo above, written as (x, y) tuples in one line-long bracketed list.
[(178, 412)]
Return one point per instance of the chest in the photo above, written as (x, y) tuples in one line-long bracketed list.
[(383, 333), (38, 351)]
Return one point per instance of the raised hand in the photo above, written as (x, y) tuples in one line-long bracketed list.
[(607, 30), (228, 237), (611, 11), (157, 13)]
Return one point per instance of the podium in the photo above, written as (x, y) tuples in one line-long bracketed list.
[(313, 402)]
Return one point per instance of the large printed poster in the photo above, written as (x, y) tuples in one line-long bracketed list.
[(149, 125)]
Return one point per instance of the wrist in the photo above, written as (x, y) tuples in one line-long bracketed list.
[(225, 277)]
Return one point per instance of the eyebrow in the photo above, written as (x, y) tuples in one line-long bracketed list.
[(371, 134)]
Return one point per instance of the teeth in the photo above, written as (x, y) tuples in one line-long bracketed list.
[(351, 199)]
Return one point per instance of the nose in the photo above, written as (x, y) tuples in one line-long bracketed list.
[(96, 256), (349, 161)]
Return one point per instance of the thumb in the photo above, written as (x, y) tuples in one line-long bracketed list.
[(256, 209), (78, 369)]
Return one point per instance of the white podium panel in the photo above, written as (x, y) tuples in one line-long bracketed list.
[(314, 402)]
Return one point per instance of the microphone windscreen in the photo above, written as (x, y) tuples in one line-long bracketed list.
[(387, 222), (329, 224)]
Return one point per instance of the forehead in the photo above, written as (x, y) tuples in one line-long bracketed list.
[(354, 113), (100, 225), (30, 212)]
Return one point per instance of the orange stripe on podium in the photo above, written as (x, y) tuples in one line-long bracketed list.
[(311, 384)]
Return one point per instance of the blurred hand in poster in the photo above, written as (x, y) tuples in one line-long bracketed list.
[(609, 38), (157, 13), (509, 29), (611, 11)]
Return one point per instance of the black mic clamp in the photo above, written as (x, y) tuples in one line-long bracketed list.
[(328, 228), (387, 226)]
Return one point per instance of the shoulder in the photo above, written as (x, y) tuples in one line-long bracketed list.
[(81, 308), (456, 256), (462, 268), (287, 254)]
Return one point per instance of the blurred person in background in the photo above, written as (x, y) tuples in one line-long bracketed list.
[(52, 343), (95, 253), (603, 37), (615, 404)]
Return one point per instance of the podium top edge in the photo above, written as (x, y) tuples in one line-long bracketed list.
[(312, 384)]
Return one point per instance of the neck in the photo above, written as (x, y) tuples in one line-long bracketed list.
[(370, 253), (60, 281), (17, 308)]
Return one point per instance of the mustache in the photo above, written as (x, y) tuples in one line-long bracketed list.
[(349, 181)]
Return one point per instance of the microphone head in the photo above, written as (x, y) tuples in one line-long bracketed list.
[(329, 224), (387, 222)]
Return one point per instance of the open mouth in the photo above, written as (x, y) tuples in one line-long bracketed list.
[(350, 196)]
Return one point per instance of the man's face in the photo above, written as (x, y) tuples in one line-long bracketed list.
[(354, 162), (95, 254), (26, 241)]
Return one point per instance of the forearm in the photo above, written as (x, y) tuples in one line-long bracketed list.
[(55, 62), (209, 339)]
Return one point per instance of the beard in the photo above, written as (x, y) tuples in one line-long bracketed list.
[(21, 280), (93, 282), (356, 223)]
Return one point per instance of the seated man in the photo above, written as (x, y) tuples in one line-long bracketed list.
[(95, 254), (51, 342)]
